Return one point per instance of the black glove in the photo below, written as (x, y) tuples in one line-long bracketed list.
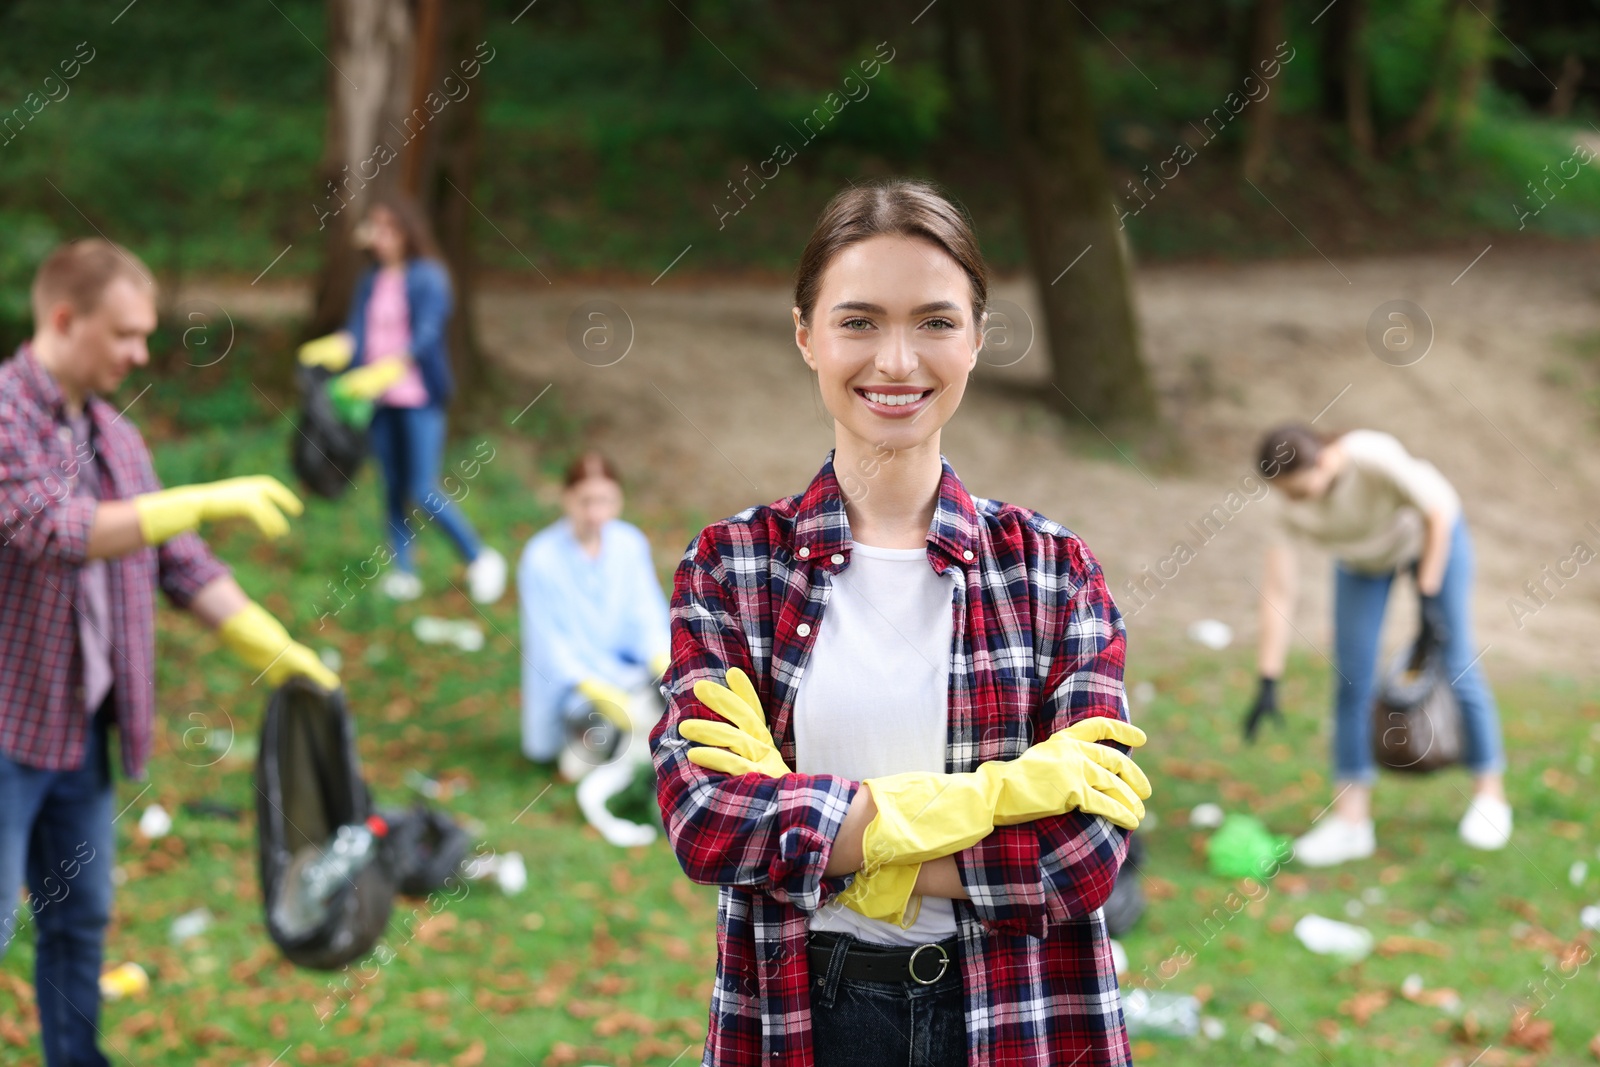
[(1266, 706), (1435, 631)]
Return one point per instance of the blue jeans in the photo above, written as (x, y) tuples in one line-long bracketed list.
[(856, 1023), (409, 444), (55, 828), (1358, 604)]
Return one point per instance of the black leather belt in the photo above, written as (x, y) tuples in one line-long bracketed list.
[(924, 964)]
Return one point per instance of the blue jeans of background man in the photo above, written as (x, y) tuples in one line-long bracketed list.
[(409, 444), (55, 830), (1358, 604), (857, 1023)]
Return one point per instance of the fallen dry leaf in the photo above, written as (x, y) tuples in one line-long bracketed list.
[(1527, 1032), (1365, 1004), (471, 1056), (1594, 1046), (1401, 945)]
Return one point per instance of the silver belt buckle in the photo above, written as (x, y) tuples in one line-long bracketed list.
[(944, 963)]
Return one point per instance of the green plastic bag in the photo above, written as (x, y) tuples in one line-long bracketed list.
[(354, 411), (1244, 848)]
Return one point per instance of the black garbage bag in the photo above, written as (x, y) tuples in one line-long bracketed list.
[(426, 848), (1416, 722), (308, 787), (326, 451), (1126, 904)]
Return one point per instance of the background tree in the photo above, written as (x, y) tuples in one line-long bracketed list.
[(1060, 171), (387, 132)]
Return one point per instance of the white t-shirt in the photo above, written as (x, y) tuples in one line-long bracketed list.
[(873, 699), (1371, 516)]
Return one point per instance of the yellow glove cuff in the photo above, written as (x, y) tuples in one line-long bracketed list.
[(166, 513), (260, 640), (884, 894), (659, 663), (333, 351)]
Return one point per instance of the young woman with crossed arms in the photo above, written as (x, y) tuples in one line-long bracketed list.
[(898, 690)]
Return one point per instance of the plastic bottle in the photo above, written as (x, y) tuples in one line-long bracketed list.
[(303, 899), (1160, 1014)]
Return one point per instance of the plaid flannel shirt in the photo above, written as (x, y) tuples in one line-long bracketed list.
[(44, 539), (1038, 645)]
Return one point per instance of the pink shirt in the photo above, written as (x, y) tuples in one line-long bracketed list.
[(389, 334)]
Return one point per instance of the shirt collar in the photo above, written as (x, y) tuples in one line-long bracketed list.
[(47, 391), (822, 528)]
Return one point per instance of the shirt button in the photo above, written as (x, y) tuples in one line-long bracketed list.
[(967, 554), (838, 557), (804, 629), (804, 552)]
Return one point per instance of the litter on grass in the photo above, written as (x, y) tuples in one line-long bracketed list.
[(1330, 937), (463, 633), (189, 925), (1244, 848), (155, 822), (1212, 633), (1205, 816), (1160, 1014)]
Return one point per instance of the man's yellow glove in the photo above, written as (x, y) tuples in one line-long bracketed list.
[(262, 642), (609, 700), (924, 815), (333, 352), (659, 663), (369, 382), (165, 514), (746, 746)]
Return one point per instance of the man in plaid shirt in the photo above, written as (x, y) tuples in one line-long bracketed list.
[(87, 534), (1038, 646)]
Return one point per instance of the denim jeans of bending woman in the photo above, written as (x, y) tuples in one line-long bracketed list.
[(409, 445), (1359, 601), (857, 1023)]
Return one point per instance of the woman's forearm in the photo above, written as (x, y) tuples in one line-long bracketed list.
[(941, 878), (846, 854)]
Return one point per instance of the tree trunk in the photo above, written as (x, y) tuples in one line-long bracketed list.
[(1566, 91), (1266, 33), (1425, 118), (370, 44), (1479, 41), (1346, 95), (1062, 182), (395, 124)]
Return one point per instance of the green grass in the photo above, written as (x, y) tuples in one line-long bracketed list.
[(608, 955)]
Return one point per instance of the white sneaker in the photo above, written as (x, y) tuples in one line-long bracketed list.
[(400, 585), (486, 576), (1487, 823), (1335, 840)]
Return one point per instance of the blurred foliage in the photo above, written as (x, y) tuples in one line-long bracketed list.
[(614, 137)]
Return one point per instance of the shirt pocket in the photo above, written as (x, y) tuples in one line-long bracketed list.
[(1006, 700)]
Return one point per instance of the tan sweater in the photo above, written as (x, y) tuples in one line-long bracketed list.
[(1371, 516)]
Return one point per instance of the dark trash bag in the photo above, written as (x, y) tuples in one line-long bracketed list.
[(425, 848), (1416, 722), (326, 452), (1126, 904), (308, 784)]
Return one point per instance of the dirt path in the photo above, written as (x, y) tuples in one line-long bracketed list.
[(712, 410)]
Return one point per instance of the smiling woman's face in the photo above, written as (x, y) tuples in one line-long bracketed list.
[(892, 339)]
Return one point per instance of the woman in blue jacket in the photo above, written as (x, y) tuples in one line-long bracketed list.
[(400, 312)]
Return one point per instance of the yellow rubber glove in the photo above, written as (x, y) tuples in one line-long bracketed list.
[(369, 382), (743, 747), (609, 700), (924, 815), (746, 747), (262, 642), (165, 514), (658, 664), (333, 352)]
